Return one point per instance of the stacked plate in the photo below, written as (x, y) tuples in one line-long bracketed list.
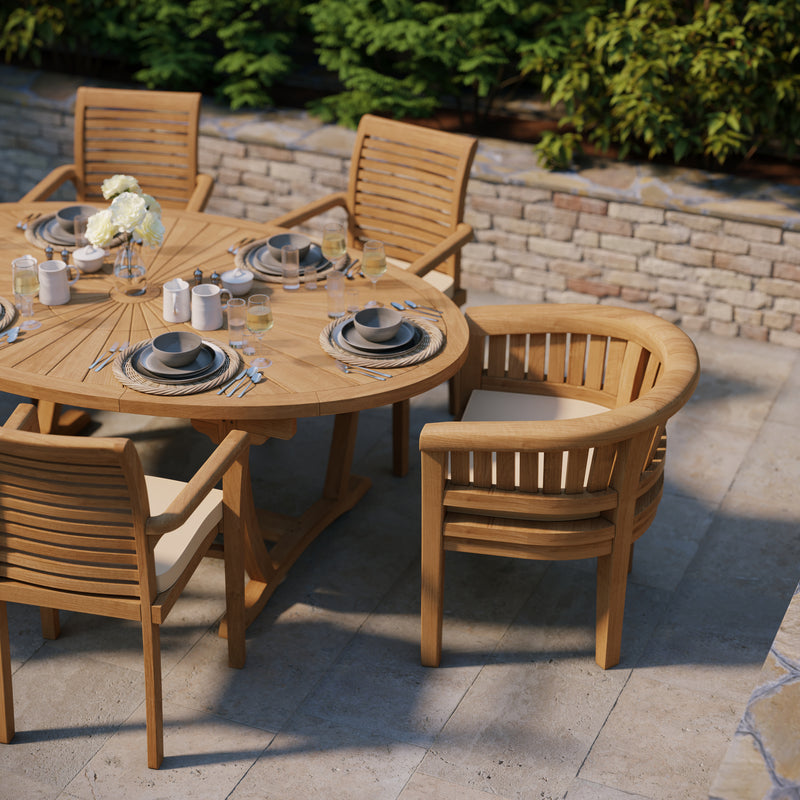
[(259, 259), (47, 230), (210, 361), (345, 336)]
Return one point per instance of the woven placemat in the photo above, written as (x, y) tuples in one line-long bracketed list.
[(9, 313), (33, 233), (242, 259), (429, 345), (128, 376)]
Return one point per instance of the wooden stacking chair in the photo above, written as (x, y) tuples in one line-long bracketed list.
[(83, 529), (150, 135), (559, 452), (407, 188)]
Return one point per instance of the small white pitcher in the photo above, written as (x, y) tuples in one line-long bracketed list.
[(54, 282), (177, 302), (207, 306)]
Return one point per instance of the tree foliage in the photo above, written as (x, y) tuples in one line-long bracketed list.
[(714, 79)]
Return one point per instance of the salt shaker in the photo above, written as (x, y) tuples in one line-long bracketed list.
[(198, 276), (216, 280), (65, 255), (48, 251)]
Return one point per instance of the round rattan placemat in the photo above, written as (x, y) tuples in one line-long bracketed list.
[(429, 345), (9, 313), (125, 373)]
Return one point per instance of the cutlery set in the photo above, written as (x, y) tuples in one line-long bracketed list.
[(247, 378), (234, 248), (107, 356), (424, 311), (372, 373), (25, 221)]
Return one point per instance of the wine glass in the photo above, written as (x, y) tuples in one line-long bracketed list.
[(333, 241), (259, 321), (26, 285), (374, 265)]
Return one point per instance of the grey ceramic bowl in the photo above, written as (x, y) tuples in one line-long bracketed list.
[(177, 348), (66, 216), (298, 240), (378, 324)]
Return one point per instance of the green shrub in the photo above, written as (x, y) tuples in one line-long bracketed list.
[(404, 58), (659, 78), (235, 49)]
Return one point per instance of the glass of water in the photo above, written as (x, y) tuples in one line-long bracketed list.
[(25, 271)]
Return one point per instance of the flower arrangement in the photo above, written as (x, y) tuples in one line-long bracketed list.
[(133, 213)]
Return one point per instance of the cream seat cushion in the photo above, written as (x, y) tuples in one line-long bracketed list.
[(486, 406), (489, 406), (174, 550), (439, 280)]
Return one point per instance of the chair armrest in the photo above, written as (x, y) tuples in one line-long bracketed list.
[(446, 248), (203, 187), (600, 429), (313, 209), (52, 181), (209, 474), (23, 418)]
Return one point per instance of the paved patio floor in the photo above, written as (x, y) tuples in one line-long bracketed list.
[(333, 702)]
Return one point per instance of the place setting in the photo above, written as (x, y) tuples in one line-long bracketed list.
[(64, 229), (176, 363), (381, 337), (309, 262)]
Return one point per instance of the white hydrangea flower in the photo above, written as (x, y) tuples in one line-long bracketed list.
[(117, 184), (100, 228), (127, 211), (151, 230)]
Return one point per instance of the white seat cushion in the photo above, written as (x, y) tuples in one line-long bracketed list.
[(486, 406), (439, 280), (174, 550)]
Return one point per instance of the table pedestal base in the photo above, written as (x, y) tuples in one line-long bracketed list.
[(273, 542)]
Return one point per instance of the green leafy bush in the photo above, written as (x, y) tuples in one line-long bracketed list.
[(404, 58), (235, 49), (659, 78)]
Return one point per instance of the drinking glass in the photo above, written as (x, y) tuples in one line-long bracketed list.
[(333, 241), (290, 261), (26, 284), (374, 265), (237, 317), (259, 321)]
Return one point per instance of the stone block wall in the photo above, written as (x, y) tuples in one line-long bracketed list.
[(701, 249)]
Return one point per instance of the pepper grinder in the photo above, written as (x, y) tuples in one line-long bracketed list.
[(48, 251), (215, 279), (198, 276), (65, 255)]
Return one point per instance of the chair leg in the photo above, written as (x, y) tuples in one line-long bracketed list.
[(612, 579), (6, 692), (400, 433), (51, 625), (432, 599), (234, 586), (151, 645)]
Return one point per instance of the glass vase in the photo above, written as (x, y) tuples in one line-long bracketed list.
[(129, 268)]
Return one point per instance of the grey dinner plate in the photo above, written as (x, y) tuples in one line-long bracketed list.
[(342, 336), (209, 361), (262, 260)]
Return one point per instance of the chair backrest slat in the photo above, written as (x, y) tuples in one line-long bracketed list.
[(407, 187), (72, 514), (148, 134)]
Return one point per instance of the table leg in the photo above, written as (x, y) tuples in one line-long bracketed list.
[(289, 536), (53, 419)]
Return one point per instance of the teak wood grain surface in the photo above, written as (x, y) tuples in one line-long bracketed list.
[(51, 364)]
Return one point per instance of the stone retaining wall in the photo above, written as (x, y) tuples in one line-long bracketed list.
[(704, 250)]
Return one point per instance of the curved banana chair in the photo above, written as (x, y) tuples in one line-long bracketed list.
[(559, 453)]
